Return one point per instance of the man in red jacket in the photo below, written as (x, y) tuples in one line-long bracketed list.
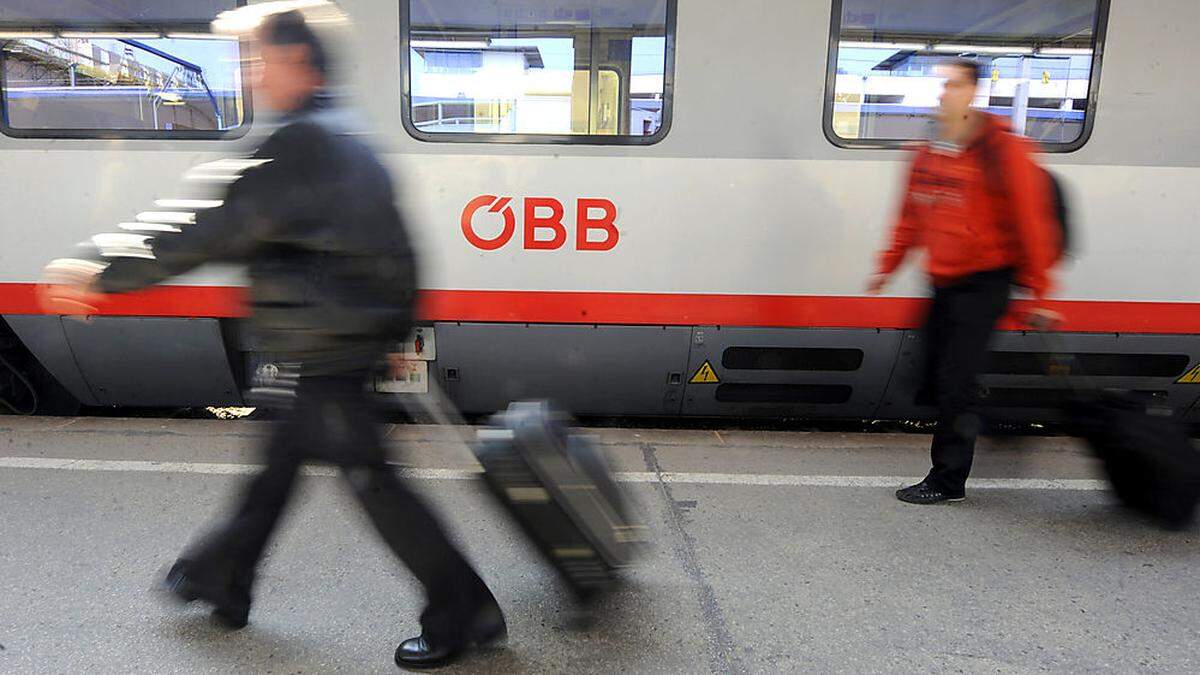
[(981, 208)]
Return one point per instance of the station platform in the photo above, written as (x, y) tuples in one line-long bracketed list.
[(774, 551)]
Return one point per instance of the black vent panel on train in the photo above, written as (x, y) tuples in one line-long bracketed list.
[(1022, 397), (823, 359), (1102, 365)]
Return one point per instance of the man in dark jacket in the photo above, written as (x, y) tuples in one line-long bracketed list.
[(332, 281)]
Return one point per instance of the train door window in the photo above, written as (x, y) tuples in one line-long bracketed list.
[(119, 68), (1042, 57), (579, 71)]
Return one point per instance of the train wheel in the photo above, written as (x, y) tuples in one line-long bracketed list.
[(53, 398), (27, 388)]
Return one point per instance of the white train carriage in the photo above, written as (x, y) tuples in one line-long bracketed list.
[(637, 207)]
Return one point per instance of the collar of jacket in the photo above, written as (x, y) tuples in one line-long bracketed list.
[(320, 100)]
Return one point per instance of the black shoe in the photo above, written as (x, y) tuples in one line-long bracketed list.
[(924, 493), (232, 617), (488, 629), (231, 606)]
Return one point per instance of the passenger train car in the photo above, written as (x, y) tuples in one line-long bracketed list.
[(635, 207)]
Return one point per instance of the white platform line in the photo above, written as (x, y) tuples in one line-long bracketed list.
[(860, 481), (674, 477)]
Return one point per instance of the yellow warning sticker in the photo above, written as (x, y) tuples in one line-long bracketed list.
[(706, 375), (1190, 377)]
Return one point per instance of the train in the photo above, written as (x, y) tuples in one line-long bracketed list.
[(645, 208)]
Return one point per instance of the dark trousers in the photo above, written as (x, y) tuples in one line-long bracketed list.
[(958, 329), (332, 420)]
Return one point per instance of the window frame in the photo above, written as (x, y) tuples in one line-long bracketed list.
[(668, 98), (134, 134), (1089, 119)]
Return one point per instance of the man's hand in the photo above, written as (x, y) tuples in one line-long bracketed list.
[(1042, 319), (397, 366), (69, 288), (876, 283)]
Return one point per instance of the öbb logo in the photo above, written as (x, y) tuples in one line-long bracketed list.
[(542, 221)]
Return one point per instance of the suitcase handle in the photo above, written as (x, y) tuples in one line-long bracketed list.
[(1057, 363), (444, 413)]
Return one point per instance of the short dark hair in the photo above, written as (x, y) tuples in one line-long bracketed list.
[(290, 28), (977, 70)]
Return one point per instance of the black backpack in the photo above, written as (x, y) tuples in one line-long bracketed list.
[(1061, 211), (1060, 207)]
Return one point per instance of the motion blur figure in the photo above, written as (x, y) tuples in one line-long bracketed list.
[(313, 217), (982, 210)]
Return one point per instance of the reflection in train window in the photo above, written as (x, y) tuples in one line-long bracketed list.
[(122, 82), (1041, 56), (595, 71)]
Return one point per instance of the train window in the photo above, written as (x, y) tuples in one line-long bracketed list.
[(575, 71), (118, 68), (1043, 57)]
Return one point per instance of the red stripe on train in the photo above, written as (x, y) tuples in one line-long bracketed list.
[(189, 301), (670, 309)]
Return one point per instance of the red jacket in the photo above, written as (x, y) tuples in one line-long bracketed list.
[(967, 226)]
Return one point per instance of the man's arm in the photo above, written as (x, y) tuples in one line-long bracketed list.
[(271, 189)]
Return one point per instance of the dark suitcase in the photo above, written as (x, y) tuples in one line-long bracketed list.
[(561, 491), (1152, 463)]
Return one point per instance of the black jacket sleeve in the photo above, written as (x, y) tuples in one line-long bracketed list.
[(275, 189)]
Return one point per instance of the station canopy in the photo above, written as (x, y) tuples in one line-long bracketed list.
[(1010, 22), (525, 16), (115, 15)]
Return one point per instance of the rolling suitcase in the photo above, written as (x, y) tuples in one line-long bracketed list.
[(1152, 463), (559, 488)]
